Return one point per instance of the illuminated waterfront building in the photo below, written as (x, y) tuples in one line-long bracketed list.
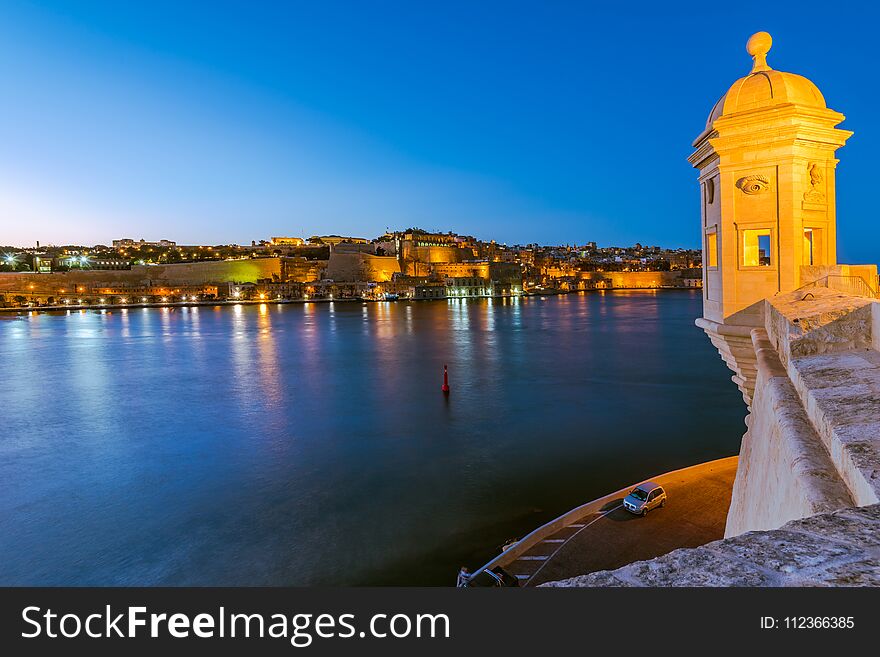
[(128, 243), (287, 241)]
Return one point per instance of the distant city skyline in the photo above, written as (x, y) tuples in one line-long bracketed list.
[(267, 239), (523, 123)]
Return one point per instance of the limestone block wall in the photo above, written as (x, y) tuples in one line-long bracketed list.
[(354, 267), (636, 279), (875, 325), (841, 395), (300, 270), (784, 470), (868, 273), (228, 271), (813, 442), (435, 253), (192, 273), (811, 273), (817, 321), (461, 269)]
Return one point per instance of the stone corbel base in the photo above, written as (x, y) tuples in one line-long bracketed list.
[(734, 344)]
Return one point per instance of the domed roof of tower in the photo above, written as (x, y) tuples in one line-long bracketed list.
[(764, 87)]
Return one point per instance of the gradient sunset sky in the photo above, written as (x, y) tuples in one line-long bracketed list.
[(549, 122)]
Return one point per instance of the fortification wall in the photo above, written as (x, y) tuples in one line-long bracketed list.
[(812, 444), (192, 273), (462, 269), (784, 471), (300, 270), (636, 279), (231, 271), (435, 254), (361, 267)]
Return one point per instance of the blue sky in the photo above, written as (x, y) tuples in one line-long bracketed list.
[(555, 122)]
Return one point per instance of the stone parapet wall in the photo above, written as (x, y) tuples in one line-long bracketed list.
[(841, 396), (827, 342), (813, 442), (831, 549), (784, 472), (817, 321), (875, 326)]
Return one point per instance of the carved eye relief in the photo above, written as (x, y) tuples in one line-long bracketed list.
[(753, 184)]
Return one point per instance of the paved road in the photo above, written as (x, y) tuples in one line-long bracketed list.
[(610, 537)]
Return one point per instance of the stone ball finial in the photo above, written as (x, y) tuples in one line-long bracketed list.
[(758, 46)]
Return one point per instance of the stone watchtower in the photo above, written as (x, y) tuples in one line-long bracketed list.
[(767, 161)]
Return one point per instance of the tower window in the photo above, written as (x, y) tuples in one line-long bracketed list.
[(809, 246), (756, 248), (712, 249)]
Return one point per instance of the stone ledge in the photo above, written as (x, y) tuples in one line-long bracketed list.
[(817, 321), (841, 395), (832, 549)]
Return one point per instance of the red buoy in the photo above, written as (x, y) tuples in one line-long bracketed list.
[(445, 387)]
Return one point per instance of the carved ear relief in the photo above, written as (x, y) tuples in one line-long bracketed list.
[(814, 194), (710, 191), (753, 184)]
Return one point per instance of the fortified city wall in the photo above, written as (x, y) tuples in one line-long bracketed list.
[(33, 285), (361, 267), (638, 279)]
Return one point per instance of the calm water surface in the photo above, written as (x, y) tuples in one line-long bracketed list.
[(310, 444)]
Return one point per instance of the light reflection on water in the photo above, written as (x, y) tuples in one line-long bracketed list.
[(310, 444)]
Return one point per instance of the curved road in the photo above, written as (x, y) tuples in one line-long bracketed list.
[(610, 536)]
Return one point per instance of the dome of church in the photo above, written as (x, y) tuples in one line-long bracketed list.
[(765, 87)]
